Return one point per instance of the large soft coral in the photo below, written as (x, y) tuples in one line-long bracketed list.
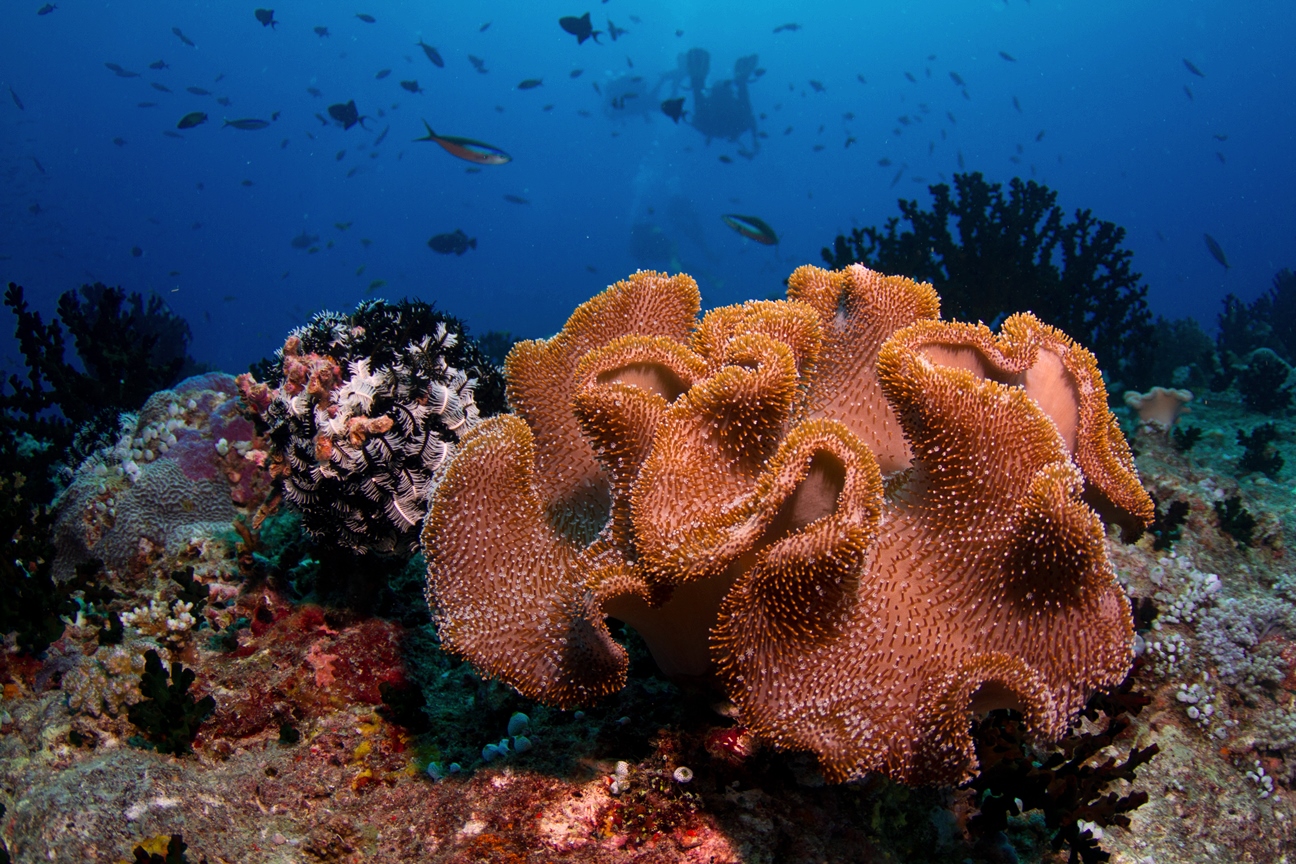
[(867, 523)]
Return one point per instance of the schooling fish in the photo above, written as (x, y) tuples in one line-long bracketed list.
[(1005, 55), (46, 9), (452, 244), (183, 38), (198, 91), (790, 28), (1216, 252), (466, 148), (225, 100), (674, 109), (516, 199), (382, 73), (615, 31), (120, 72), (266, 17), (478, 63), (321, 32), (16, 100), (957, 79), (191, 120), (304, 240), (530, 84), (751, 227), (382, 136), (580, 27), (368, 19), (346, 114), (432, 54), (248, 124), (411, 86), (1193, 69)]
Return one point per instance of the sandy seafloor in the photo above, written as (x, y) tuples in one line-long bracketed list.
[(78, 786)]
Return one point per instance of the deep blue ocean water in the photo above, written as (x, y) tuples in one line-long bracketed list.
[(1107, 113)]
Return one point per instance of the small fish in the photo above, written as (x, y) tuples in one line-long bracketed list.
[(283, 145), (1040, 136), (304, 240), (411, 86), (346, 114), (160, 87), (366, 242), (478, 63), (615, 31), (818, 148), (120, 72), (580, 27), (575, 73), (375, 285), (911, 78), (469, 150), (46, 9), (787, 28), (314, 91), (861, 79), (16, 100), (382, 73), (146, 104), (752, 227), (320, 117), (725, 159), (341, 154), (321, 32), (674, 108), (884, 162), (452, 244), (954, 76), (960, 159), (183, 38), (950, 115), (224, 100), (432, 54), (266, 17), (159, 64), (1005, 55), (34, 209), (120, 142), (817, 86), (1220, 156), (896, 178), (170, 134), (904, 120), (355, 170), (516, 199), (483, 28), (1188, 92), (39, 166), (198, 91), (1188, 64), (247, 124), (342, 226), (1216, 252), (368, 19), (247, 183), (852, 139), (1219, 137), (192, 119), (137, 252), (1017, 105), (382, 136), (529, 84)]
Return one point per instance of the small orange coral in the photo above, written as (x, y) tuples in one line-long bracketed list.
[(866, 522)]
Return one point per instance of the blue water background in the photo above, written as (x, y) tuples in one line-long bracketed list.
[(1104, 81)]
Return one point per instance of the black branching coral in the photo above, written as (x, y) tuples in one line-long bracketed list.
[(128, 348), (1005, 252), (361, 412), (169, 715)]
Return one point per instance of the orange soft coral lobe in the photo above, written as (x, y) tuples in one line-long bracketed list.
[(867, 523)]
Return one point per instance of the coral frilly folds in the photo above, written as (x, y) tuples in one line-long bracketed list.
[(866, 522)]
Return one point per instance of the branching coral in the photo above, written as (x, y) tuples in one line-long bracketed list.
[(362, 411), (868, 523), (1017, 252)]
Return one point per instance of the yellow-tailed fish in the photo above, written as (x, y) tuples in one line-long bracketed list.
[(467, 149)]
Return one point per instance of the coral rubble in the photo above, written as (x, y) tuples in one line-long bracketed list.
[(867, 522)]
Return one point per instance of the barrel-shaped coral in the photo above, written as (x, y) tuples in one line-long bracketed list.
[(868, 524), (361, 412)]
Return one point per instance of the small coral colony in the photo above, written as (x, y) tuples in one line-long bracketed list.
[(870, 528)]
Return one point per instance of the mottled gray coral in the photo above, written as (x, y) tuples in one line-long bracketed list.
[(1234, 635)]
